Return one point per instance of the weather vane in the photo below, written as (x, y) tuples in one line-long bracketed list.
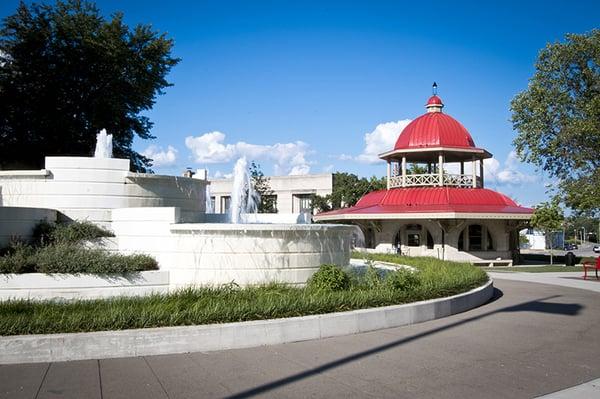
[(434, 89)]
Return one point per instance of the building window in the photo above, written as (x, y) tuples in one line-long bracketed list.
[(414, 239), (268, 204), (303, 202), (225, 204), (213, 204), (413, 235), (475, 237)]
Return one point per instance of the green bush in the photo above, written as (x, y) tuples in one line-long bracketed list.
[(329, 278), (402, 280), (373, 278), (17, 259), (70, 258), (58, 248), (46, 233)]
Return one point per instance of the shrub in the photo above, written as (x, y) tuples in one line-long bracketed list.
[(329, 278), (373, 278), (17, 259), (70, 258), (46, 233), (402, 280)]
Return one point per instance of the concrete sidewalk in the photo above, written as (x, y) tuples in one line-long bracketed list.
[(564, 279), (526, 343)]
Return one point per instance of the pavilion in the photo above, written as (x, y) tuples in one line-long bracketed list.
[(435, 203)]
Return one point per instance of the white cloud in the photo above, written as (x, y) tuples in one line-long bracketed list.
[(288, 158), (160, 156), (221, 175), (380, 140), (508, 173)]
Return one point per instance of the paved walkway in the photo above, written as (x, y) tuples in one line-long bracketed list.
[(533, 339)]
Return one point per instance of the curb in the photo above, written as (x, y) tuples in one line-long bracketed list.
[(203, 338)]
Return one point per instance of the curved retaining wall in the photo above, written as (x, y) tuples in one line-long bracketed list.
[(219, 253), (18, 222), (158, 341), (88, 188)]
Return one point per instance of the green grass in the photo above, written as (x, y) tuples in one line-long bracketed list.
[(231, 304)]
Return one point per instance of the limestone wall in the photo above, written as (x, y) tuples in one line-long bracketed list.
[(18, 222), (86, 188)]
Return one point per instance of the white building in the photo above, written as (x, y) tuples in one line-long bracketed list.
[(292, 194)]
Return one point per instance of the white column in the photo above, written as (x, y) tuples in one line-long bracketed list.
[(481, 171), (403, 171), (441, 169), (474, 173), (389, 172)]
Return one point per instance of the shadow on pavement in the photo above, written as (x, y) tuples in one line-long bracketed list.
[(538, 305)]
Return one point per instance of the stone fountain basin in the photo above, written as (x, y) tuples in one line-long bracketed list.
[(221, 253)]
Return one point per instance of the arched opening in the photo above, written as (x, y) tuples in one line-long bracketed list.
[(429, 240), (475, 237)]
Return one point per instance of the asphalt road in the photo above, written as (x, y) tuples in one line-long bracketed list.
[(531, 340)]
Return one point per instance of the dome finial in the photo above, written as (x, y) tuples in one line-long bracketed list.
[(434, 104)]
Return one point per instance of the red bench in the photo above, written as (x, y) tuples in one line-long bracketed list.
[(592, 266)]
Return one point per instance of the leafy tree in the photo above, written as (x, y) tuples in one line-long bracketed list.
[(66, 72), (262, 185), (558, 119), (416, 169), (575, 224), (347, 190), (548, 217)]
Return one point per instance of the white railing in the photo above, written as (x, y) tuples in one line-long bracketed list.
[(433, 179)]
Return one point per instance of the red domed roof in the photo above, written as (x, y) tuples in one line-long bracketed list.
[(434, 100), (434, 129), (432, 200)]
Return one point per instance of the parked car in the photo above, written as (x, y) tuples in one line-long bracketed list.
[(570, 247), (596, 249)]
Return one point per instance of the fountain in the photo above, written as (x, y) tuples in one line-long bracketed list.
[(104, 146), (168, 217), (244, 198), (208, 207)]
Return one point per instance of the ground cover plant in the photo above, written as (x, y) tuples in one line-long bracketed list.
[(59, 248), (322, 294)]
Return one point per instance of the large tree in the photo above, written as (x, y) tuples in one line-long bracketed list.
[(558, 119), (346, 191), (66, 72)]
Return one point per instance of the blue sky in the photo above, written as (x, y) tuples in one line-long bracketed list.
[(320, 86)]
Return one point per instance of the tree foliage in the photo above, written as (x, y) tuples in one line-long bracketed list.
[(66, 72), (262, 185), (548, 217), (347, 190), (558, 118)]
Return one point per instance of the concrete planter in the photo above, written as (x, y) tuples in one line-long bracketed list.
[(157, 341), (41, 286)]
